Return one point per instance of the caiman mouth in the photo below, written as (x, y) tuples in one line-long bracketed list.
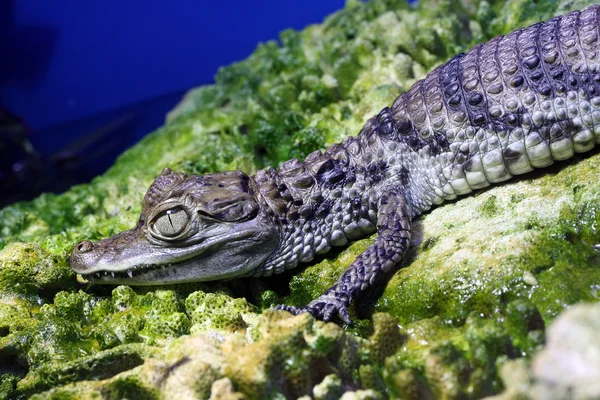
[(222, 256), (131, 273)]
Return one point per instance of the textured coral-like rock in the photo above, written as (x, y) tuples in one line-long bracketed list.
[(329, 389), (485, 276), (27, 268), (362, 395), (222, 389), (569, 365), (216, 311), (289, 355), (386, 338), (567, 368)]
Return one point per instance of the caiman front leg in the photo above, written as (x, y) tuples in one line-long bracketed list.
[(370, 267)]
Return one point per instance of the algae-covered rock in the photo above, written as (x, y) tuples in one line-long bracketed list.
[(222, 389), (484, 277), (26, 269), (216, 311), (329, 389), (287, 357), (569, 365)]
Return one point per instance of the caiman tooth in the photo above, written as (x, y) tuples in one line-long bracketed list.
[(98, 275), (130, 273), (112, 274)]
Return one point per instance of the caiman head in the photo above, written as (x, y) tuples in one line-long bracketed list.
[(192, 228)]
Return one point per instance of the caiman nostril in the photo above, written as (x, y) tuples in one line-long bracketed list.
[(84, 246)]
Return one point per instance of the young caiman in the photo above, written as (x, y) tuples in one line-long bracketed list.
[(506, 107)]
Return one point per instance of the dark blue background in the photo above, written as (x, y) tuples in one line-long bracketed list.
[(73, 67)]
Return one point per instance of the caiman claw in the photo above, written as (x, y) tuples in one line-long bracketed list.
[(324, 308)]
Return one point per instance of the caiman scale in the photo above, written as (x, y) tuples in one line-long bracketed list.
[(516, 103)]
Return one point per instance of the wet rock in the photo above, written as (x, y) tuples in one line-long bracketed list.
[(329, 389), (569, 365), (362, 395), (222, 389)]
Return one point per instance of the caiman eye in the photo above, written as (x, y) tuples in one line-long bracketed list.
[(171, 222)]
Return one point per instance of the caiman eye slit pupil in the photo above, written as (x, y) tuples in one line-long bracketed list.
[(172, 222)]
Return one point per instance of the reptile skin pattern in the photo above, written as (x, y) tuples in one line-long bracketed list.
[(518, 102), (504, 108)]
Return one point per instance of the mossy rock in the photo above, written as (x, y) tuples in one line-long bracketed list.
[(484, 277)]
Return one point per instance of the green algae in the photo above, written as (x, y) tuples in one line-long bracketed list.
[(27, 269), (210, 311), (489, 208), (484, 276), (99, 366), (289, 356)]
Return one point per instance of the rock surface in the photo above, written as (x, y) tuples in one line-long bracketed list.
[(568, 368), (569, 365), (485, 275)]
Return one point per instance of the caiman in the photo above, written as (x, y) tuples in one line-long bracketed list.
[(516, 103)]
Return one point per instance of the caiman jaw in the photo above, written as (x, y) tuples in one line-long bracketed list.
[(145, 274), (191, 229), (130, 273), (142, 262)]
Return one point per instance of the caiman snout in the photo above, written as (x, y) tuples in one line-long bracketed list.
[(83, 247)]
